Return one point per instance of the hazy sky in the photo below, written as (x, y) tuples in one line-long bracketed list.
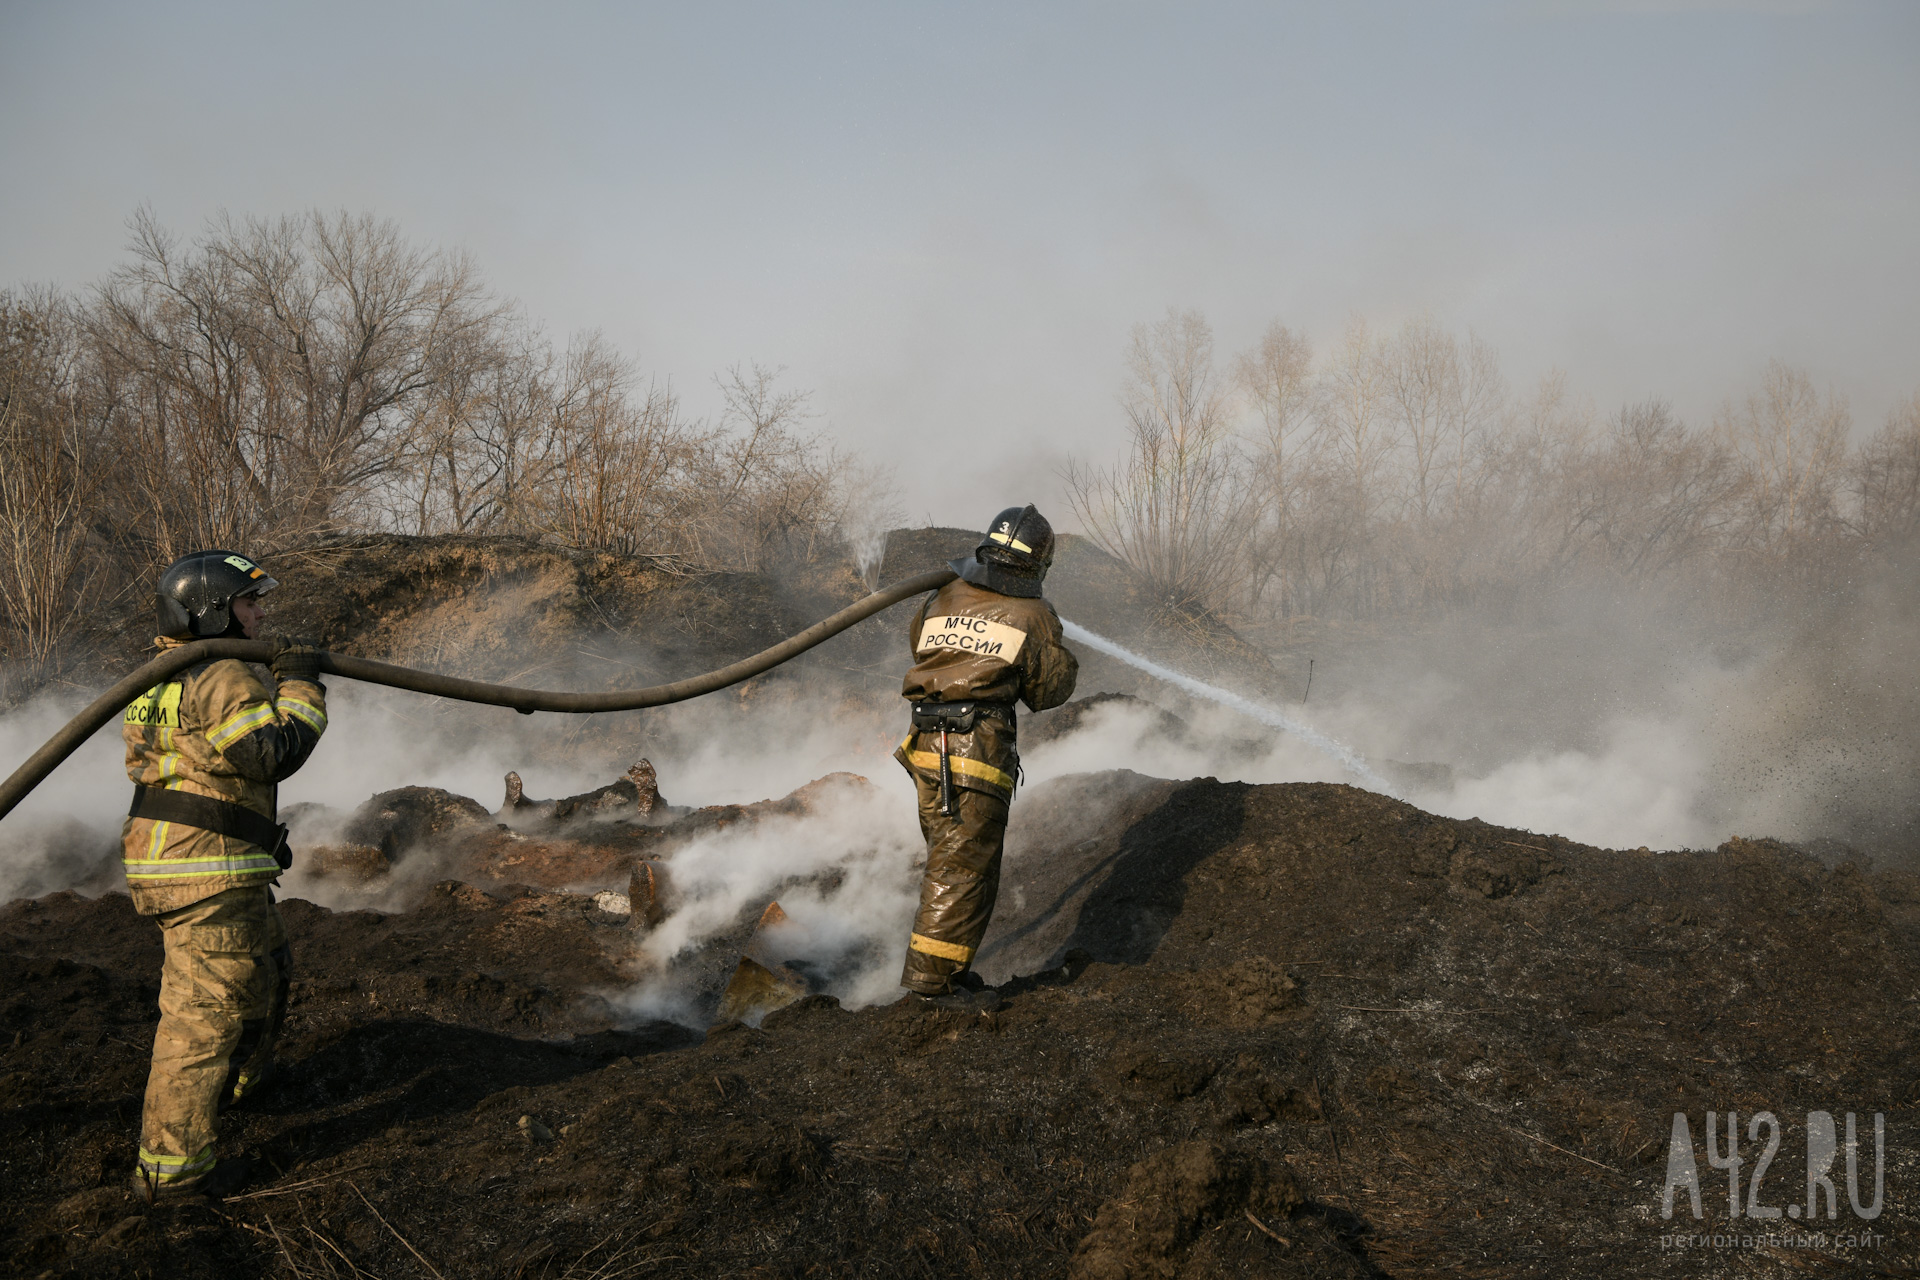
[(944, 219)]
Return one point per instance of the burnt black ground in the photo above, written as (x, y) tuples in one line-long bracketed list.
[(1404, 1045)]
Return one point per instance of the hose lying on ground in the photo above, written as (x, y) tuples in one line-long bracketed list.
[(526, 701)]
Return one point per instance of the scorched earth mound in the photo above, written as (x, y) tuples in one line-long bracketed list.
[(1290, 1030)]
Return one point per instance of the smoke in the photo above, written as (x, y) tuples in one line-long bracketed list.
[(379, 738), (844, 868), (66, 833), (1645, 783), (732, 748), (844, 872), (1271, 717), (1216, 743), (1642, 786), (1618, 722), (1640, 728)]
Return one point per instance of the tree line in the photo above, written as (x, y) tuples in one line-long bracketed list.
[(1396, 474), (275, 382)]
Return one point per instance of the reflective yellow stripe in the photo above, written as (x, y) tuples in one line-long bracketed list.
[(167, 1168), (944, 950), (162, 832), (303, 711), (930, 761), (239, 724), (199, 857), (246, 864), (1007, 539)]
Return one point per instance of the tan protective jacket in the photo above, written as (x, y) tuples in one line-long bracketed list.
[(973, 644), (214, 730)]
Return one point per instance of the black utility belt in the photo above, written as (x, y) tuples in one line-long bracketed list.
[(958, 717), (217, 816)]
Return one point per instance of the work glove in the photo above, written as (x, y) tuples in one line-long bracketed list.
[(296, 660)]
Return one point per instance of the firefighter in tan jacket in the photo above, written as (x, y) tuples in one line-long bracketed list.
[(980, 642), (205, 751)]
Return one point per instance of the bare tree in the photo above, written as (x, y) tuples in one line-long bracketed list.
[(270, 370), (776, 491), (1649, 499), (1445, 398), (1421, 373), (1277, 377), (1358, 439), (1886, 478), (1174, 509), (1791, 448), (481, 439), (52, 466), (617, 482), (276, 380), (1524, 518), (1474, 416), (1356, 428)]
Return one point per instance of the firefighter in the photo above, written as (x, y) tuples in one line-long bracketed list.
[(980, 642), (202, 851)]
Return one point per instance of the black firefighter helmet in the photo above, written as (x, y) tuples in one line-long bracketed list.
[(194, 600), (1013, 556)]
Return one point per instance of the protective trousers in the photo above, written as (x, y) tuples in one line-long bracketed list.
[(223, 997), (962, 880)]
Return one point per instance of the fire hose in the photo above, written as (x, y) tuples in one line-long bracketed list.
[(526, 701)]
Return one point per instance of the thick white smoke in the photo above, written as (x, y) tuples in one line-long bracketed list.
[(1641, 786), (1271, 717), (66, 833), (1605, 728), (855, 854), (1218, 744), (1618, 724)]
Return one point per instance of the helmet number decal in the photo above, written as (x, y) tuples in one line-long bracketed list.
[(981, 636), (246, 566)]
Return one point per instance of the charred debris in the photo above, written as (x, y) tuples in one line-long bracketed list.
[(1290, 1030)]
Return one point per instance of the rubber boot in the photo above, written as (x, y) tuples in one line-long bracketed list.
[(225, 1178)]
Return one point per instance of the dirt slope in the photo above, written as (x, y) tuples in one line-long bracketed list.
[(1267, 1031), (514, 610), (497, 607)]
